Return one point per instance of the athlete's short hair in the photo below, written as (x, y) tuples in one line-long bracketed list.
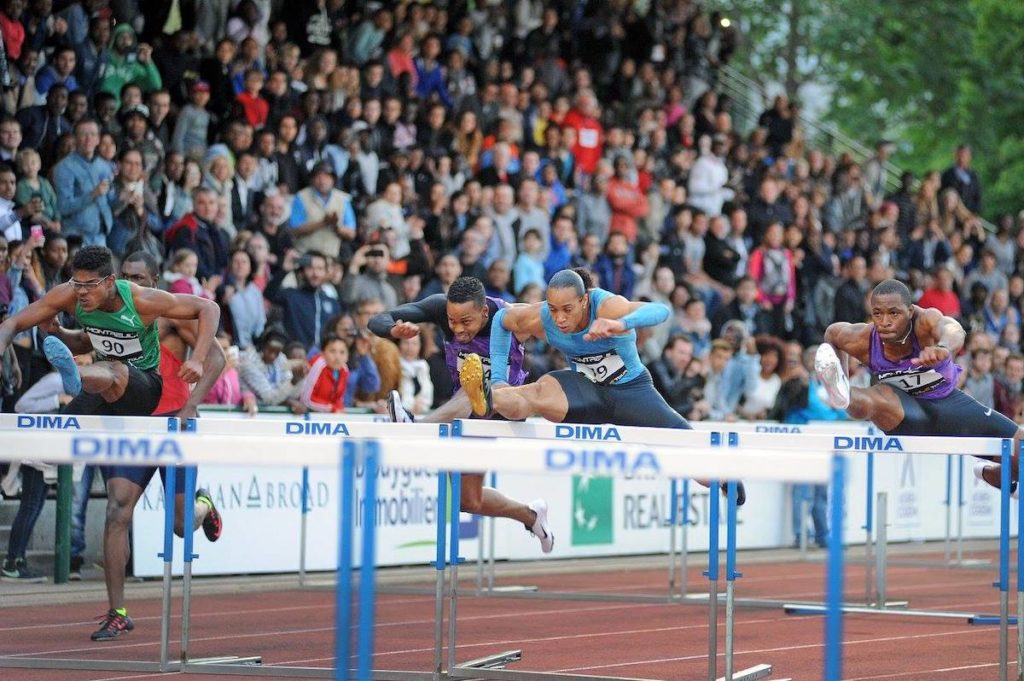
[(568, 279), (893, 287), (147, 259), (96, 259), (467, 289)]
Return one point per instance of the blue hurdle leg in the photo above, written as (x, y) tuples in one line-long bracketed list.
[(834, 615), (367, 569), (343, 593), (188, 522)]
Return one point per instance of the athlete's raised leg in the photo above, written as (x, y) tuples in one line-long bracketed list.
[(106, 379), (879, 404), (544, 398)]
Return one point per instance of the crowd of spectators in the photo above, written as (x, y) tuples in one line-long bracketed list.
[(309, 165)]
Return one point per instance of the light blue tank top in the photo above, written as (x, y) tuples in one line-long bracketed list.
[(605, 362)]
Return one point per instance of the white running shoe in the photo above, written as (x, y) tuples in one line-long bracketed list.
[(396, 411), (540, 527), (830, 373), (994, 477)]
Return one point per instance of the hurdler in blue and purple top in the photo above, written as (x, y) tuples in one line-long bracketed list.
[(433, 309)]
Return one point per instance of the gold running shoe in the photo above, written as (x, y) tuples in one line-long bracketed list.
[(478, 390)]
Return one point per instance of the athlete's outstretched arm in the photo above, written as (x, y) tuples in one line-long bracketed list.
[(401, 322), (617, 316), (948, 334), (151, 302), (212, 367), (521, 320), (58, 299)]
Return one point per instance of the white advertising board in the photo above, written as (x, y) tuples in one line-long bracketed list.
[(589, 516)]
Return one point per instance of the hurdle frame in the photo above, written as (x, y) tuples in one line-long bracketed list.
[(210, 449), (213, 449)]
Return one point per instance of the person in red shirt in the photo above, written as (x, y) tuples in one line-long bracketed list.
[(324, 386), (583, 118), (627, 201), (251, 104), (941, 295)]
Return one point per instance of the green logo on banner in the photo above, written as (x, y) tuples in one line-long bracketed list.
[(591, 511)]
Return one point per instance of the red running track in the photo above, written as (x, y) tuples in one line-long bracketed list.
[(647, 640)]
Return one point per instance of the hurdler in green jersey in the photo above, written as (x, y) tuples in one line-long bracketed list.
[(121, 335), (119, 323)]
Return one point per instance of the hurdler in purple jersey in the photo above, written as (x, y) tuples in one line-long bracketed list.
[(434, 310), (909, 350), (923, 382), (455, 350), (464, 317)]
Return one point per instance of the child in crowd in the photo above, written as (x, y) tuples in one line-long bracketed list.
[(32, 186), (191, 132), (324, 387), (182, 276), (416, 388), (529, 266), (249, 103), (228, 389)]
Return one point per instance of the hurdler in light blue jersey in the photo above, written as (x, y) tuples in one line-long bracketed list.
[(605, 361), (606, 382)]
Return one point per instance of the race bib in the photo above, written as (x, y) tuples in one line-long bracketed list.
[(603, 369), (486, 361), (116, 344), (912, 381)]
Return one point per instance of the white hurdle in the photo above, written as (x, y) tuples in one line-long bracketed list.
[(509, 455)]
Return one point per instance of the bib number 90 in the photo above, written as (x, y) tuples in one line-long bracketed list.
[(112, 347)]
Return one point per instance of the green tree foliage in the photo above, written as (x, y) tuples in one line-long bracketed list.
[(928, 75)]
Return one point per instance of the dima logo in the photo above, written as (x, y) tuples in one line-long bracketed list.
[(603, 462), (570, 432), (315, 428), (115, 449), (592, 511), (48, 422), (766, 428), (868, 444)]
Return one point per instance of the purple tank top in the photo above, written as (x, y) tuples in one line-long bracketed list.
[(927, 383), (455, 352)]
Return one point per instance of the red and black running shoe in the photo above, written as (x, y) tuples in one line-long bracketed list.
[(112, 625), (212, 523)]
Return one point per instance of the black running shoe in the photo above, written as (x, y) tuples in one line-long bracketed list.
[(75, 573), (397, 412), (19, 571), (112, 625), (212, 523)]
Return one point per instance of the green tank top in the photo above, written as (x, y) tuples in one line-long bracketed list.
[(121, 336)]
